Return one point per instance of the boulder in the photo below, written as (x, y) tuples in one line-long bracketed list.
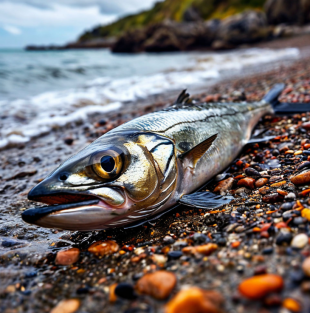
[(247, 27), (191, 15), (131, 41), (288, 12)]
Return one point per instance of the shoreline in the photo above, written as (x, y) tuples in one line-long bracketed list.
[(30, 249)]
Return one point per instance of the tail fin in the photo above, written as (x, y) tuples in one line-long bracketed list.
[(284, 107), (273, 94), (183, 98)]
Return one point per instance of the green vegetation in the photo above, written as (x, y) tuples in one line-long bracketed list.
[(174, 10)]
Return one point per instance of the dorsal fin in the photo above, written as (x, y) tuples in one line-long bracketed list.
[(183, 98), (194, 154)]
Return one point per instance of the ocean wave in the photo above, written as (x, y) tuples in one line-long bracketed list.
[(37, 115)]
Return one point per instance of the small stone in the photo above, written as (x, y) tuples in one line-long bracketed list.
[(67, 306), (67, 257), (247, 182), (68, 141), (224, 185), (291, 305), (284, 238), (291, 196), (195, 300), (252, 172), (200, 238), (174, 255), (286, 206), (300, 241), (301, 179), (101, 248), (272, 198), (306, 266), (168, 240), (158, 285), (206, 249), (259, 286), (299, 220), (125, 291), (264, 190), (261, 182), (305, 213)]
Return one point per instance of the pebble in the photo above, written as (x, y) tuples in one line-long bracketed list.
[(158, 285), (272, 198), (66, 306), (168, 240), (67, 257), (284, 238), (224, 185), (101, 248), (300, 241), (259, 286), (305, 213), (174, 255), (306, 266), (261, 182), (195, 300), (301, 179), (247, 182), (203, 249), (125, 291), (68, 141), (286, 206), (291, 305), (252, 172)]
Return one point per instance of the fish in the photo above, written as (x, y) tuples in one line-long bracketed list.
[(148, 165)]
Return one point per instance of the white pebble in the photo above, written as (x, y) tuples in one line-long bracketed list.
[(299, 241)]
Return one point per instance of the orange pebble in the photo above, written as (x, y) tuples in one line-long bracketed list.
[(101, 248), (195, 300), (67, 257), (247, 182), (291, 305), (259, 286), (281, 183), (235, 244)]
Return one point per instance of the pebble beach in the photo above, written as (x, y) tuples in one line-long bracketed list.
[(252, 255)]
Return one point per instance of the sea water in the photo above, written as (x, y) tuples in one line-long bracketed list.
[(41, 90)]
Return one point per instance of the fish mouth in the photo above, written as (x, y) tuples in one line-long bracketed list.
[(72, 210)]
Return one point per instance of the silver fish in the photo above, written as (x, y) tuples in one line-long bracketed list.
[(145, 166)]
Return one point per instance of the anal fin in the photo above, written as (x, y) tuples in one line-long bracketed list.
[(205, 200)]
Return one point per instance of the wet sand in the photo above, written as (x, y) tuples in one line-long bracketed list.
[(32, 282)]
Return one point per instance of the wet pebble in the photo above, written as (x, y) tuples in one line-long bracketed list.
[(168, 240), (301, 179), (300, 241), (284, 238), (259, 286), (224, 186), (292, 305), (125, 291), (252, 172), (101, 248), (195, 300), (287, 206), (67, 257), (66, 306), (272, 198), (158, 285), (306, 266), (174, 255), (247, 182), (261, 182)]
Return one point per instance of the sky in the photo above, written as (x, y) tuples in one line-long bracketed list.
[(43, 22)]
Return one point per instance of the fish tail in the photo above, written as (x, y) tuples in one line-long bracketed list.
[(272, 97)]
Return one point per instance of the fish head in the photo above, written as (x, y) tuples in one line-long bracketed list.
[(118, 179)]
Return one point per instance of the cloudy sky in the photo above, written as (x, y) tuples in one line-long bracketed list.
[(24, 22)]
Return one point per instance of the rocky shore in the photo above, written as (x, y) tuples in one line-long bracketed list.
[(250, 256), (261, 21)]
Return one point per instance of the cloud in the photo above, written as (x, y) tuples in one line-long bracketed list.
[(12, 29), (116, 7)]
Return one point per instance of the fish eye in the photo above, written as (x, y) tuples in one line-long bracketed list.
[(107, 164)]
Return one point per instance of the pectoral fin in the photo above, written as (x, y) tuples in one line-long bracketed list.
[(194, 155), (205, 200)]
